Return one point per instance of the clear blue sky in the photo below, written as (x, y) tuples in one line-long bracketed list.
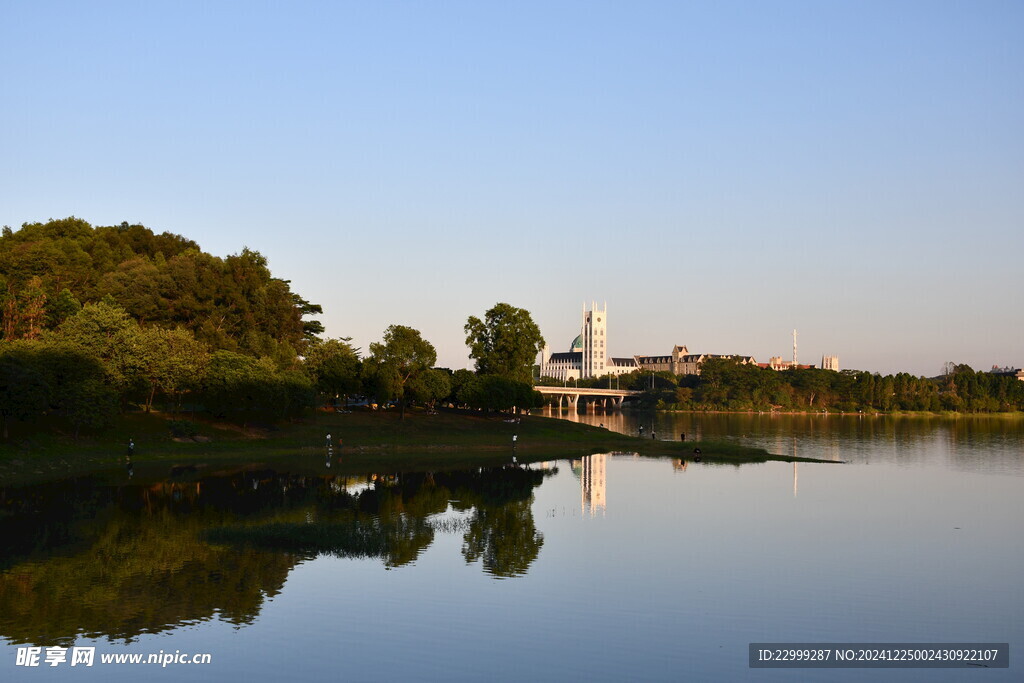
[(719, 173)]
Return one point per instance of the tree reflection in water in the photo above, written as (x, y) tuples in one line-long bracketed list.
[(85, 558)]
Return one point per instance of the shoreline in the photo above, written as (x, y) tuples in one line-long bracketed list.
[(370, 441)]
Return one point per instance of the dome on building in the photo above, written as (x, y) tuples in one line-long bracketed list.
[(577, 343)]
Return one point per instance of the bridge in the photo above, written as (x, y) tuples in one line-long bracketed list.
[(573, 395)]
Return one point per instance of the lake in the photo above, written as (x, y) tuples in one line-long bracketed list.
[(609, 567)]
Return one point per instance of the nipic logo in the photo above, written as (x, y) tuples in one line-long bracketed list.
[(86, 656), (54, 656)]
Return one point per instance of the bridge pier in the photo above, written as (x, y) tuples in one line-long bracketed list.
[(593, 399)]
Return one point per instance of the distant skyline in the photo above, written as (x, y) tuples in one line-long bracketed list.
[(719, 173)]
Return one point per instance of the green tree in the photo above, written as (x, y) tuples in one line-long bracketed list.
[(430, 387), (23, 391), (505, 343), (402, 356), (91, 404), (108, 333), (62, 307), (160, 280), (333, 365), (236, 382), (172, 361), (490, 392), (460, 378)]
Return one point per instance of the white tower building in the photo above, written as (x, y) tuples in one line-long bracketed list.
[(595, 353)]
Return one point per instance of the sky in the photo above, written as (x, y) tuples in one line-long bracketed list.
[(719, 173)]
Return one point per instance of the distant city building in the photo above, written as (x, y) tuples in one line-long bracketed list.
[(690, 363), (670, 363), (830, 363), (778, 364), (588, 355), (1008, 372), (595, 354)]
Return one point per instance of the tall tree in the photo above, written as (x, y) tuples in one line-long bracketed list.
[(23, 392), (333, 365), (430, 387), (403, 356), (172, 361), (108, 333), (505, 343)]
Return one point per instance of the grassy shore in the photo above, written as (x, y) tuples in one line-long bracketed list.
[(366, 441)]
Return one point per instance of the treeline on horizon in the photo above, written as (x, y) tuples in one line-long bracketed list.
[(726, 384), (96, 321)]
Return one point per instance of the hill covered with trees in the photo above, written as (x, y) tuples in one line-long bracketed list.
[(48, 271), (92, 319), (97, 320)]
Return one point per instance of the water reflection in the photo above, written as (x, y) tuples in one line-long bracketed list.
[(592, 471), (85, 558), (965, 442)]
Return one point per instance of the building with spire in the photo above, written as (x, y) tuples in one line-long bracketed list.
[(588, 354)]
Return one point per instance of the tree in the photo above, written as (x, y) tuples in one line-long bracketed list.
[(90, 403), (161, 280), (108, 333), (173, 361), (430, 387), (505, 343), (236, 382), (333, 365), (403, 356), (62, 307), (489, 392), (23, 392), (459, 379)]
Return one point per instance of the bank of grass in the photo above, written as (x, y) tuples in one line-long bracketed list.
[(369, 441)]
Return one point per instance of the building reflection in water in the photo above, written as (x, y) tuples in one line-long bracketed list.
[(591, 471)]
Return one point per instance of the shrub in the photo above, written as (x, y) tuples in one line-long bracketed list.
[(182, 429)]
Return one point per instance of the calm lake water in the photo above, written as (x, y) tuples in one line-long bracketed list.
[(609, 567)]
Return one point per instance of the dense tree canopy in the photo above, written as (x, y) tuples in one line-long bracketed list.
[(505, 343), (725, 384), (334, 366), (93, 319), (47, 270), (397, 362)]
